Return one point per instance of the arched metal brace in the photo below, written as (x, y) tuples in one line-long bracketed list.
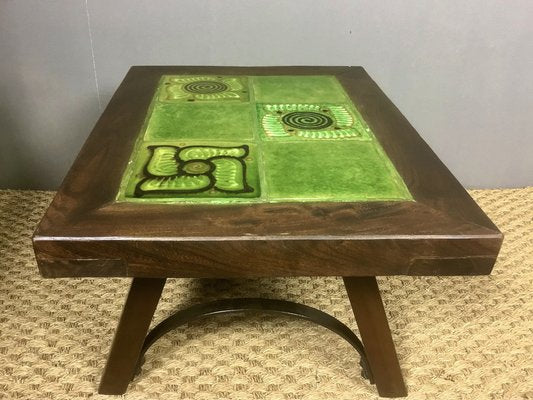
[(230, 306)]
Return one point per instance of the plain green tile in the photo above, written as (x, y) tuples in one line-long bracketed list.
[(298, 89), (171, 121), (330, 171)]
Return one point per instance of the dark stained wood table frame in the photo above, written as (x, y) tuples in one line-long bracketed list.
[(86, 233)]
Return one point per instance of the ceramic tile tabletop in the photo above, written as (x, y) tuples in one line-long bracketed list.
[(224, 139)]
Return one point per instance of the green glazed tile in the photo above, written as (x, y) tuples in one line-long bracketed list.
[(209, 88), (330, 171), (300, 138), (207, 121), (214, 171), (311, 122), (298, 89)]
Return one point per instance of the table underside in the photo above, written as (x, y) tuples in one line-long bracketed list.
[(222, 139)]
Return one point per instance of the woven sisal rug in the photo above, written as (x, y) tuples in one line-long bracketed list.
[(456, 337)]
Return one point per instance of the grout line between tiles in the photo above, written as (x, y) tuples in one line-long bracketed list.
[(261, 167)]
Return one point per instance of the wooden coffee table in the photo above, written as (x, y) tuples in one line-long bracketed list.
[(229, 172)]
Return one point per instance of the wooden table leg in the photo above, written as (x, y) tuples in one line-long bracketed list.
[(375, 334), (134, 322)]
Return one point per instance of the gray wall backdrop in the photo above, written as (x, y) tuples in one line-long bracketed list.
[(460, 71)]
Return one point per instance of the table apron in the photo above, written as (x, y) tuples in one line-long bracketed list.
[(264, 258)]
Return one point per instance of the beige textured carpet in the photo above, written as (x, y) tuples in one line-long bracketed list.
[(457, 337)]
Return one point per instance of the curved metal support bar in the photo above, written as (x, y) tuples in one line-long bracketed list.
[(228, 306)]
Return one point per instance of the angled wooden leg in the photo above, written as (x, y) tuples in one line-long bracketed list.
[(375, 333), (134, 322)]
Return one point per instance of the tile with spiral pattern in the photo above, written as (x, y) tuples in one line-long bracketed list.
[(187, 88)]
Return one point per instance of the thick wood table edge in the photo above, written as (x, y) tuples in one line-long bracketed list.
[(266, 258)]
